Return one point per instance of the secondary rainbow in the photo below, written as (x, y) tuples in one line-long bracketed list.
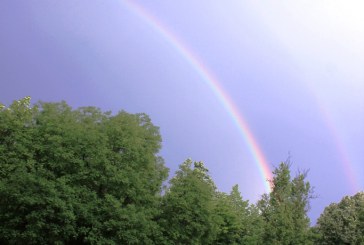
[(341, 150), (214, 85)]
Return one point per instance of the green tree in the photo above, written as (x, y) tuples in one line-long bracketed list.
[(284, 210), (78, 176), (231, 217), (187, 206), (343, 222), (238, 222)]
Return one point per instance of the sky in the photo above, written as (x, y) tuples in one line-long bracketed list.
[(239, 85)]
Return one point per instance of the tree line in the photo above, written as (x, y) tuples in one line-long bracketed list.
[(83, 176)]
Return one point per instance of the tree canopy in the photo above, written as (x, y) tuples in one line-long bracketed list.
[(78, 175), (284, 210), (343, 222), (187, 207), (83, 176)]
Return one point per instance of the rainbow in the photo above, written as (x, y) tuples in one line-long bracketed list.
[(214, 85), (341, 150), (353, 179)]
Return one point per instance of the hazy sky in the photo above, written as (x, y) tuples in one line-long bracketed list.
[(293, 69)]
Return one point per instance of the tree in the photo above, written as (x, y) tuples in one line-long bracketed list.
[(231, 217), (238, 222), (187, 206), (78, 176), (284, 210), (343, 222)]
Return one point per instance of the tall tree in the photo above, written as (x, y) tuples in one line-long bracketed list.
[(187, 207), (343, 222), (238, 222), (284, 210), (78, 176)]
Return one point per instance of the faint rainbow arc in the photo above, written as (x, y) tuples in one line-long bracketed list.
[(214, 85), (342, 152)]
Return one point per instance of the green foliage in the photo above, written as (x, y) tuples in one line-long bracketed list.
[(89, 177), (231, 217), (194, 212), (343, 222), (78, 176), (187, 206), (238, 222), (284, 210)]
